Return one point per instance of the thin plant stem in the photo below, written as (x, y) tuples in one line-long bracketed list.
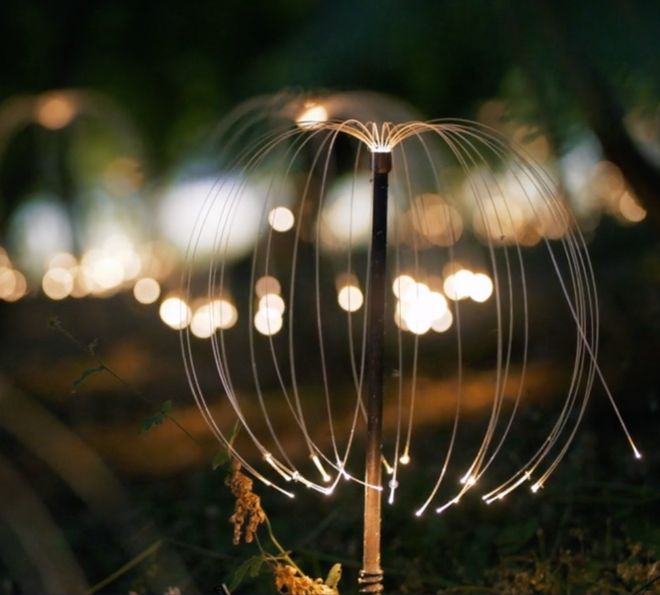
[(90, 350)]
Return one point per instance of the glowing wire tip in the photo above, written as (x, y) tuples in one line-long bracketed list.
[(638, 455), (388, 468), (321, 469), (404, 459), (444, 507)]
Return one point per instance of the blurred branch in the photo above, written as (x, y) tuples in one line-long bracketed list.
[(602, 110), (90, 349)]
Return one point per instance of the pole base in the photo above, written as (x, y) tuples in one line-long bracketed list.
[(370, 582)]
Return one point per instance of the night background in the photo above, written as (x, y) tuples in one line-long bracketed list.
[(110, 115)]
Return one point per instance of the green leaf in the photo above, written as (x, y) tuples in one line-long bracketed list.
[(84, 376), (220, 459), (242, 570), (158, 418), (148, 423), (255, 567)]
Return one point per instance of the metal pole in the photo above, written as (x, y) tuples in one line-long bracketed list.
[(371, 575)]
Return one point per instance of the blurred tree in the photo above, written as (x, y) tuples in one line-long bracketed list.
[(177, 67)]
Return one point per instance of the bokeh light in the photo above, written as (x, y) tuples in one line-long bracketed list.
[(268, 322), (272, 301), (267, 284), (458, 285), (630, 209), (401, 285), (146, 290), (281, 219), (312, 116), (350, 298), (346, 218), (55, 110), (201, 324), (481, 287), (223, 314), (217, 199), (175, 313), (39, 229), (7, 282), (442, 323), (57, 283)]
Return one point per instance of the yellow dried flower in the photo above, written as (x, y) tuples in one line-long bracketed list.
[(247, 508), (290, 581)]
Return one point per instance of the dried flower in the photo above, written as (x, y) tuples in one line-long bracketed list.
[(290, 581), (248, 505)]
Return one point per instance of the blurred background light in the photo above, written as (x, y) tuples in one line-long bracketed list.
[(268, 322), (350, 298), (175, 313), (39, 229), (281, 219), (222, 201), (146, 290)]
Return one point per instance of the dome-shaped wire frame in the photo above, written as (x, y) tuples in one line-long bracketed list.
[(440, 170)]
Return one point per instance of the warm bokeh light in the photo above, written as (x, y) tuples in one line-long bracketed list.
[(64, 260), (106, 268), (57, 283), (419, 309), (201, 324), (458, 285), (402, 284), (82, 284), (481, 287), (435, 220), (498, 219), (272, 301), (55, 110), (630, 209), (281, 219), (20, 287), (350, 298), (415, 292), (267, 284), (268, 322), (7, 282), (312, 116), (146, 290), (175, 313), (442, 323), (105, 271), (223, 314)]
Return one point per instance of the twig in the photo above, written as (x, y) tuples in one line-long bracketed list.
[(90, 350), (154, 547)]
